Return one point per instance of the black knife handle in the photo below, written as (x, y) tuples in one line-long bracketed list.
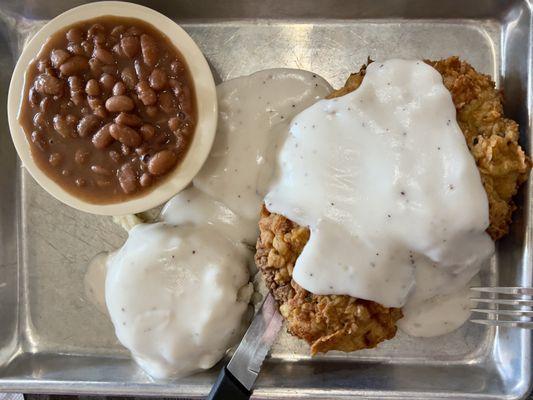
[(227, 387)]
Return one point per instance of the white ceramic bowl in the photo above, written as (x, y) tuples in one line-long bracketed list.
[(206, 101)]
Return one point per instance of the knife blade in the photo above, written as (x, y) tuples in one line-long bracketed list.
[(238, 377)]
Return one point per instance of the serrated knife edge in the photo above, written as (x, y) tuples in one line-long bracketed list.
[(256, 343)]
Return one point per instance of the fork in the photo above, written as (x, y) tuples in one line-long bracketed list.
[(509, 306)]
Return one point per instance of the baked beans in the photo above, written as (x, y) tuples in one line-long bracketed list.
[(109, 108)]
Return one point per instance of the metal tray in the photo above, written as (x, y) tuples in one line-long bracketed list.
[(53, 340)]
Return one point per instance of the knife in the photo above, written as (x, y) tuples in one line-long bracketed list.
[(236, 379)]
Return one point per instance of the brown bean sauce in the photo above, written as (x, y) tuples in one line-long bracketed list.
[(109, 108)]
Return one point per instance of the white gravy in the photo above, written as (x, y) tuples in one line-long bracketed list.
[(384, 180), (253, 118), (177, 290)]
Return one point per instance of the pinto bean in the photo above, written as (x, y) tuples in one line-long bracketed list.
[(174, 124), (58, 57), (76, 49), (115, 156), (63, 127), (147, 131), (33, 96), (126, 135), (88, 48), (92, 88), (45, 104), (49, 85), (75, 83), (99, 38), (167, 102), (98, 169), (38, 138), (81, 156), (39, 120), (146, 180), (129, 77), (152, 111), (88, 125), (94, 103), (102, 138), (158, 79), (100, 112), (146, 94), (128, 119), (107, 81), (95, 66), (77, 98), (105, 56), (162, 162), (119, 89), (149, 50), (141, 70), (130, 46), (176, 67), (74, 65), (119, 104), (74, 35), (94, 29), (127, 178), (117, 50)]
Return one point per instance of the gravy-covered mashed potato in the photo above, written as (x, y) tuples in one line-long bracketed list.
[(177, 296)]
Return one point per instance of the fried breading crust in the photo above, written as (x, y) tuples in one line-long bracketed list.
[(346, 323), (325, 322)]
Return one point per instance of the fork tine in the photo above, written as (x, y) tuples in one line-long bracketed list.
[(507, 324), (511, 302), (516, 313), (504, 290)]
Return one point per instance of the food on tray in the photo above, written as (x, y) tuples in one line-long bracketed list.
[(379, 198), (395, 226), (177, 290), (109, 108)]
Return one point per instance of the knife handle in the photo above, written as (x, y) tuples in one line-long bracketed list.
[(227, 387)]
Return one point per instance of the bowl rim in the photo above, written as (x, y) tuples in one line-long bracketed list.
[(204, 89)]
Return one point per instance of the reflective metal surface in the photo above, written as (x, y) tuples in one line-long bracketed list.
[(53, 340)]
